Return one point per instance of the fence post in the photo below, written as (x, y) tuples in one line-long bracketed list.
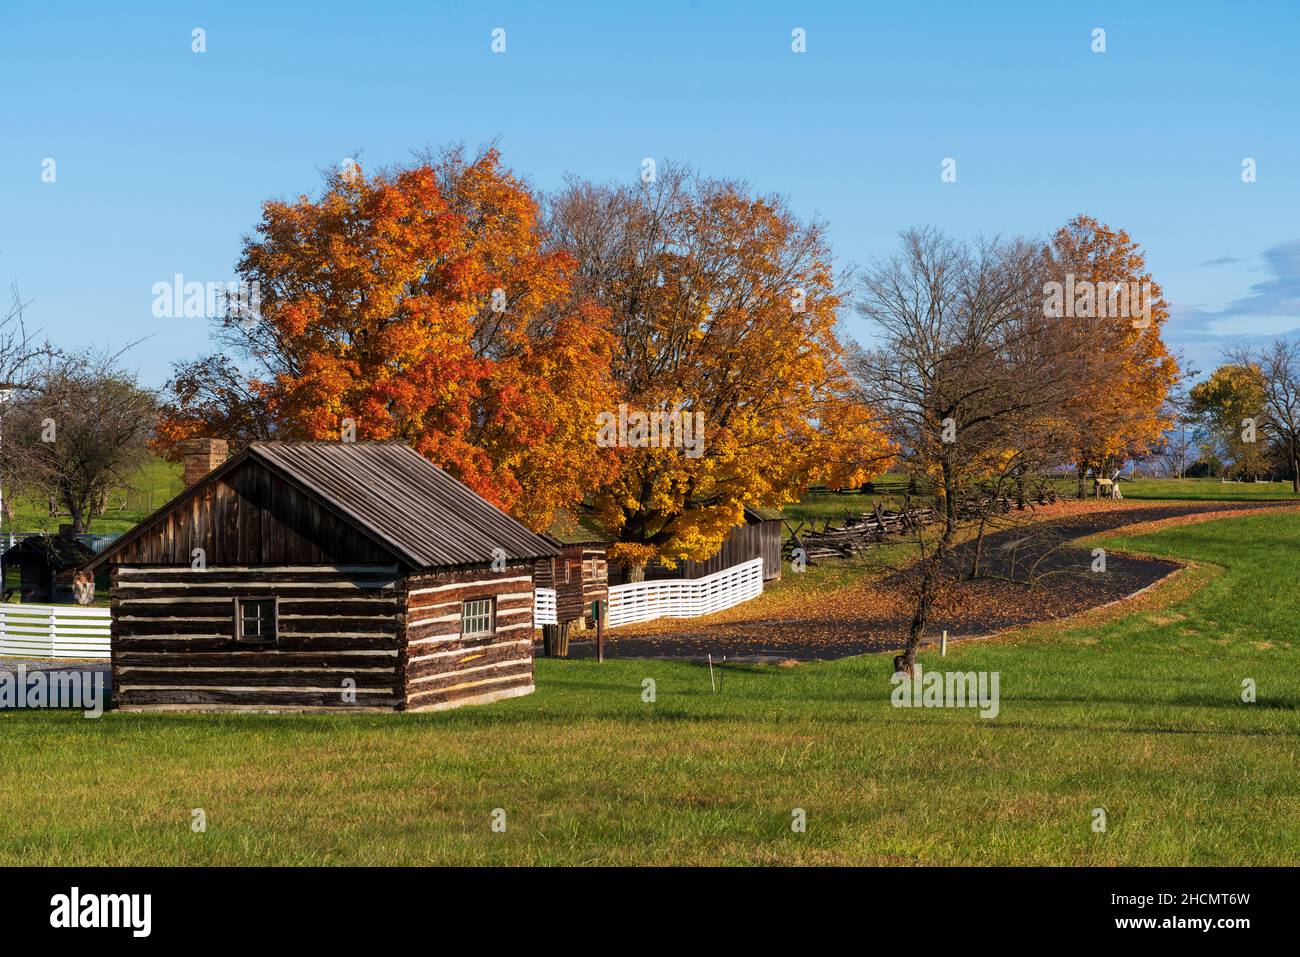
[(598, 612)]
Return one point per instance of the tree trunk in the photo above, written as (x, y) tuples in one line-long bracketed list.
[(1079, 491), (931, 570), (76, 514), (979, 547), (906, 662), (949, 502)]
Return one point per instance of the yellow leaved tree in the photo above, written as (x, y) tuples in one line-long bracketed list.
[(733, 390)]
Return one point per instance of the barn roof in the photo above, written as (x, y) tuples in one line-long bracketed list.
[(578, 527), (395, 494)]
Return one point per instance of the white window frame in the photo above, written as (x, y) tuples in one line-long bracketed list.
[(478, 610)]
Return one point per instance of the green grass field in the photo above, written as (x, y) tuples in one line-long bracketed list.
[(153, 484), (1135, 711), (1207, 490), (821, 505)]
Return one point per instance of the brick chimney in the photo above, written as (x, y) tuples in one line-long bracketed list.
[(201, 456)]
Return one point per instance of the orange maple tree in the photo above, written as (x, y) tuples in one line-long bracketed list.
[(1122, 414), (420, 304)]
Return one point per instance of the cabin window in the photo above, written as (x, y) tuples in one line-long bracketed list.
[(566, 572), (476, 617), (255, 619)]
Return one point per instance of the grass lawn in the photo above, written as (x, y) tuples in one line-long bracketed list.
[(821, 504), (1208, 490), (154, 483), (1136, 710), (818, 506)]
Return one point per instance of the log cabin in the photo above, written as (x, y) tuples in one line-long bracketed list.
[(580, 572), (322, 576)]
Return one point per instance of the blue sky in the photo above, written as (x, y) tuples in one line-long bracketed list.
[(164, 155)]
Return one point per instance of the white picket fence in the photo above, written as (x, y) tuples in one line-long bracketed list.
[(53, 631), (685, 597), (544, 607)]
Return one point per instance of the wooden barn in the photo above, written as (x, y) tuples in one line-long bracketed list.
[(580, 572), (322, 576)]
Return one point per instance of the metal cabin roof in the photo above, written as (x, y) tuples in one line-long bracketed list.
[(390, 491), (404, 499)]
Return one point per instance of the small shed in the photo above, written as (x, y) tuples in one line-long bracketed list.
[(47, 565), (323, 576), (580, 572)]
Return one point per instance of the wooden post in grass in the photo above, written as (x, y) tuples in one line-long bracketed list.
[(943, 646), (598, 613)]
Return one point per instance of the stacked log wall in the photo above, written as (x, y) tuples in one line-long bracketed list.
[(174, 645), (445, 669)]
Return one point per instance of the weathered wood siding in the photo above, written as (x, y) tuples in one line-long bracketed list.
[(174, 647), (587, 580), (443, 668), (252, 517), (544, 573), (595, 579)]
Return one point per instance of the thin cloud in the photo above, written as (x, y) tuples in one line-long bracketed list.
[(1277, 297)]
